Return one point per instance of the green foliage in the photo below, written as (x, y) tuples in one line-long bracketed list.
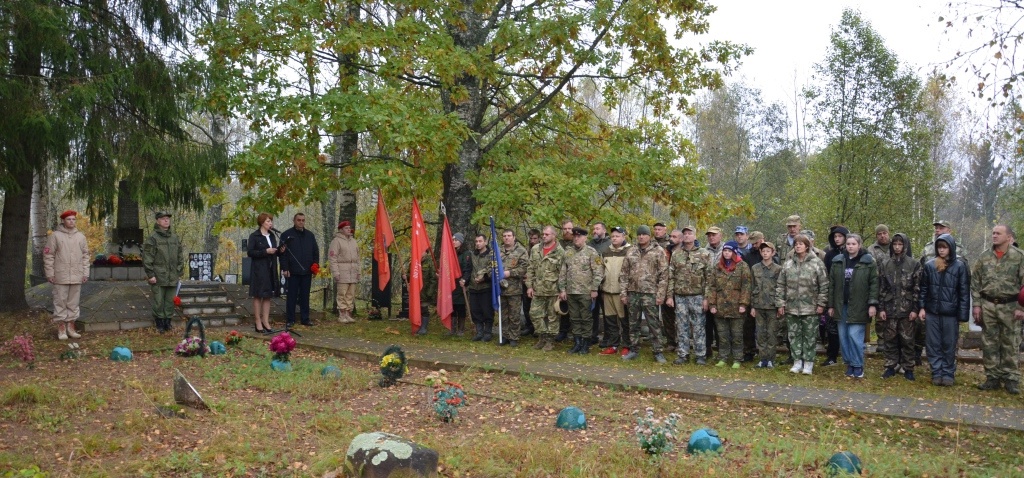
[(875, 167), (24, 395), (452, 98)]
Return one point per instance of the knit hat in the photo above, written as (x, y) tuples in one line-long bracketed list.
[(459, 237), (643, 230)]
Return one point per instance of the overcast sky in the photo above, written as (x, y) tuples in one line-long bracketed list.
[(790, 36)]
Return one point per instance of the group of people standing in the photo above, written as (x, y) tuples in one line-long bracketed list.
[(750, 296)]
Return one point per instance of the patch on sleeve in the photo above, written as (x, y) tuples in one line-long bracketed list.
[(331, 253), (46, 250)]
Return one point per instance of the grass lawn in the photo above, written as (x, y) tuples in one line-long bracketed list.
[(94, 417)]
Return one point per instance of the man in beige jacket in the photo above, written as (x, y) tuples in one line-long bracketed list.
[(344, 259), (66, 263)]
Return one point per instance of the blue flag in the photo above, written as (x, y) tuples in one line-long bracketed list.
[(497, 269)]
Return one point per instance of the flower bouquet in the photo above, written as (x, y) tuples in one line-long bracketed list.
[(315, 269), (73, 352), (374, 314), (448, 398), (191, 346), (114, 260), (656, 435), (282, 345), (177, 301), (22, 348), (233, 338), (132, 259), (392, 366)]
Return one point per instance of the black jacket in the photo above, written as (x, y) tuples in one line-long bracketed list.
[(833, 249), (263, 281), (946, 293), (300, 253)]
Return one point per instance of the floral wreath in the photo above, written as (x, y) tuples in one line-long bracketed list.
[(393, 366), (129, 243)]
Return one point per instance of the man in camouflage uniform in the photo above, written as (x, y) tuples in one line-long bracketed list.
[(516, 260), (668, 312), (714, 247), (644, 282), (527, 331), (481, 306), (784, 243), (564, 325), (688, 272), (542, 287), (578, 282), (899, 276), (996, 281), (661, 235), (762, 304), (600, 242), (880, 249)]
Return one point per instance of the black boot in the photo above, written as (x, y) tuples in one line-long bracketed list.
[(575, 345), (479, 332), (423, 326), (585, 346)]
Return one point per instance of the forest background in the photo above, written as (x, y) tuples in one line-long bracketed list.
[(531, 112)]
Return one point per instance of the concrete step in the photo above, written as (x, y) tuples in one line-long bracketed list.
[(205, 309), (205, 297), (224, 320)]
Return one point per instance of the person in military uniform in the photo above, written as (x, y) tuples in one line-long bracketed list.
[(996, 283), (600, 242), (616, 327), (729, 299), (542, 287), (899, 276), (578, 282), (661, 235), (801, 294), (481, 307), (163, 259), (564, 325), (784, 243), (527, 330), (714, 247), (880, 248), (809, 234), (688, 273), (516, 260), (762, 304), (668, 312), (644, 285), (460, 293)]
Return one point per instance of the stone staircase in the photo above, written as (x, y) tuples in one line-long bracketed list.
[(210, 302)]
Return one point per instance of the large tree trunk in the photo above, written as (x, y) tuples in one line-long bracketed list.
[(347, 144), (13, 241), (40, 223), (458, 192), (214, 212)]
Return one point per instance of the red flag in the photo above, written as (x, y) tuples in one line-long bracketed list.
[(420, 245), (382, 238), (448, 273)]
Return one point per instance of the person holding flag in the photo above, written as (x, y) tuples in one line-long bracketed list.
[(448, 277), (420, 248), (481, 303), (514, 257)]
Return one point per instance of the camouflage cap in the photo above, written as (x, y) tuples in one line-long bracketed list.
[(713, 230), (942, 223), (766, 244), (659, 224), (881, 228), (689, 227), (161, 214), (809, 233), (756, 236), (793, 220), (579, 231)]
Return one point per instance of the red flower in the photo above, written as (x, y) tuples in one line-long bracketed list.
[(177, 301), (315, 268)]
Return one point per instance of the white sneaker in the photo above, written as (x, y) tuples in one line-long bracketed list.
[(797, 365), (770, 365), (71, 331), (62, 333), (808, 367)]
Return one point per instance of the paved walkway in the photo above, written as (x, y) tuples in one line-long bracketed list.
[(699, 388)]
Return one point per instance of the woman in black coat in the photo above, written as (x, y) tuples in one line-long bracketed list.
[(263, 285)]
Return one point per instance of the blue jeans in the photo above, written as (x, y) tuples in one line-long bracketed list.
[(941, 333), (851, 341)]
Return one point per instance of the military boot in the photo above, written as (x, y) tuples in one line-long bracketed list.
[(576, 344), (989, 384), (1012, 387), (549, 343), (585, 346)]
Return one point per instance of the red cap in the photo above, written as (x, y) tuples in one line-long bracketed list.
[(68, 213), (343, 224)]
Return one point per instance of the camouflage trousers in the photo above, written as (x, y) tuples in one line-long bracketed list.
[(543, 315), (511, 316), (1000, 341), (730, 338), (580, 314), (768, 332), (690, 320), (898, 340), (803, 333), (643, 308)]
